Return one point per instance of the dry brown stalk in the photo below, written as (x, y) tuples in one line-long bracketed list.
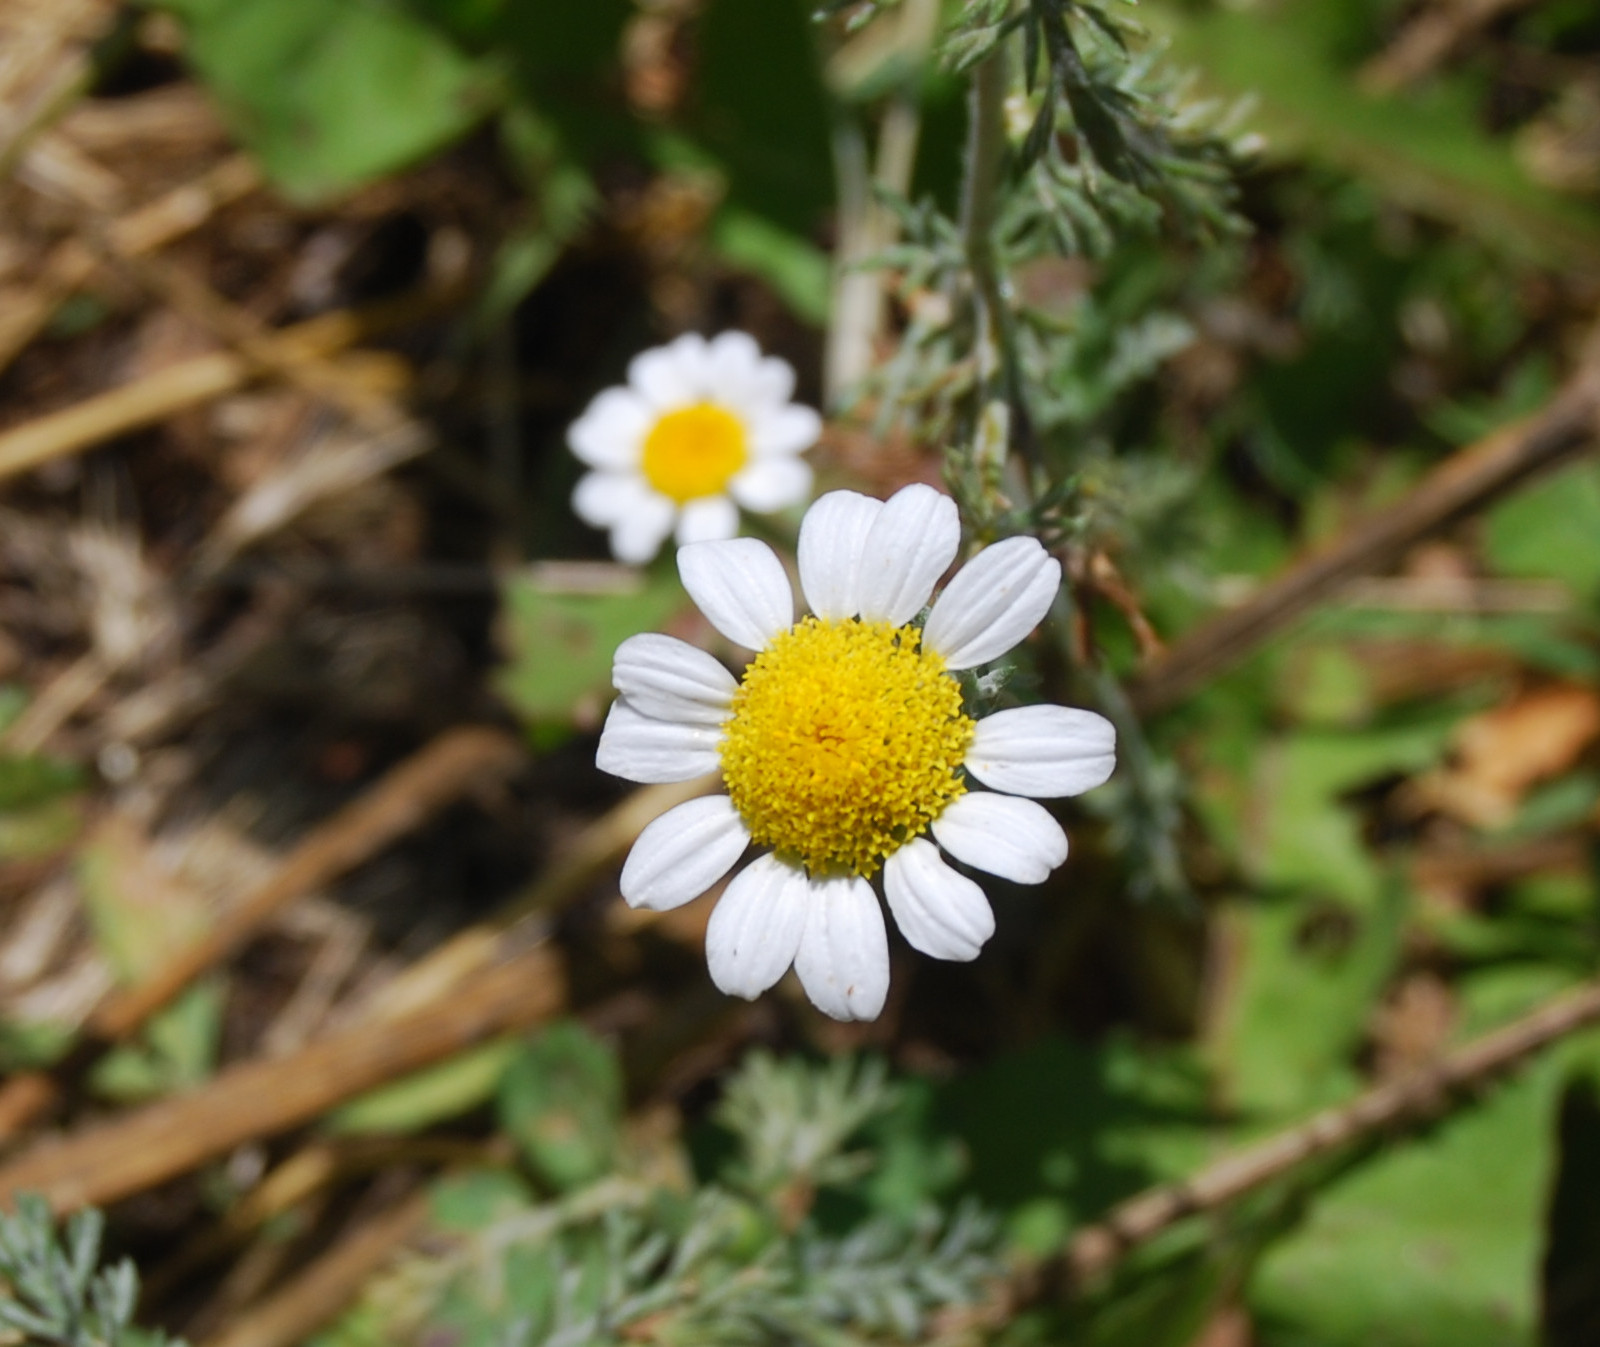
[(331, 1283), (256, 1099), (408, 796), (600, 845), (1424, 1093), (189, 295), (183, 385), (1428, 40), (1465, 482), (164, 220)]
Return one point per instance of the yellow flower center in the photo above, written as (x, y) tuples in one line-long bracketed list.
[(845, 741), (693, 451)]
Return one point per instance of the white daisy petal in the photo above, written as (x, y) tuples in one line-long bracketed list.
[(843, 959), (756, 927), (707, 520), (832, 537), (641, 748), (670, 376), (940, 912), (733, 364), (1014, 838), (1043, 750), (741, 587), (774, 382), (602, 498), (783, 430), (683, 853), (913, 540), (637, 535), (670, 679), (770, 484), (612, 429), (992, 602)]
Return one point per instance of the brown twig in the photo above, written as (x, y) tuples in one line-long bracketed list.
[(183, 385), (599, 846), (1095, 1249), (164, 220), (1428, 40), (263, 1098), (331, 1283), (409, 795), (1463, 483)]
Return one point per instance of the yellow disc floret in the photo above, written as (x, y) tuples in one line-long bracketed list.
[(845, 741), (694, 451)]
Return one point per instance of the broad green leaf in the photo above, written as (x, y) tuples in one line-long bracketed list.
[(1548, 531), (762, 110), (329, 94), (39, 811), (447, 1090), (467, 1202), (1436, 1240), (796, 269), (1059, 1131), (1308, 838), (1305, 978), (1426, 150), (561, 1101), (28, 781), (559, 645)]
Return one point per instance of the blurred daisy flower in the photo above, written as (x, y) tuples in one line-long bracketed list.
[(846, 748), (702, 430)]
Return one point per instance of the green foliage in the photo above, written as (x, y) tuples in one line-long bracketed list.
[(560, 644), (55, 1291), (330, 94), (561, 1102), (738, 1261), (38, 803)]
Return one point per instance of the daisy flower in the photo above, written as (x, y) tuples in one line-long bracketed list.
[(846, 748), (702, 429)]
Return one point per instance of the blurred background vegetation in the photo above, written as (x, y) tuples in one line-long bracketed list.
[(313, 972)]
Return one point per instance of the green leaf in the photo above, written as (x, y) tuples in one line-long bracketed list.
[(29, 781), (763, 111), (796, 269), (329, 94), (1436, 1240), (428, 1096), (561, 1101), (1427, 151), (559, 645), (1059, 1131), (1549, 531)]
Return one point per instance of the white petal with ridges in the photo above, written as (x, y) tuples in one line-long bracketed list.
[(1003, 835), (611, 432), (756, 927), (770, 484), (670, 679), (940, 912), (741, 587), (832, 537), (912, 542), (707, 520), (1046, 751), (641, 748), (683, 853), (993, 602), (843, 959)]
